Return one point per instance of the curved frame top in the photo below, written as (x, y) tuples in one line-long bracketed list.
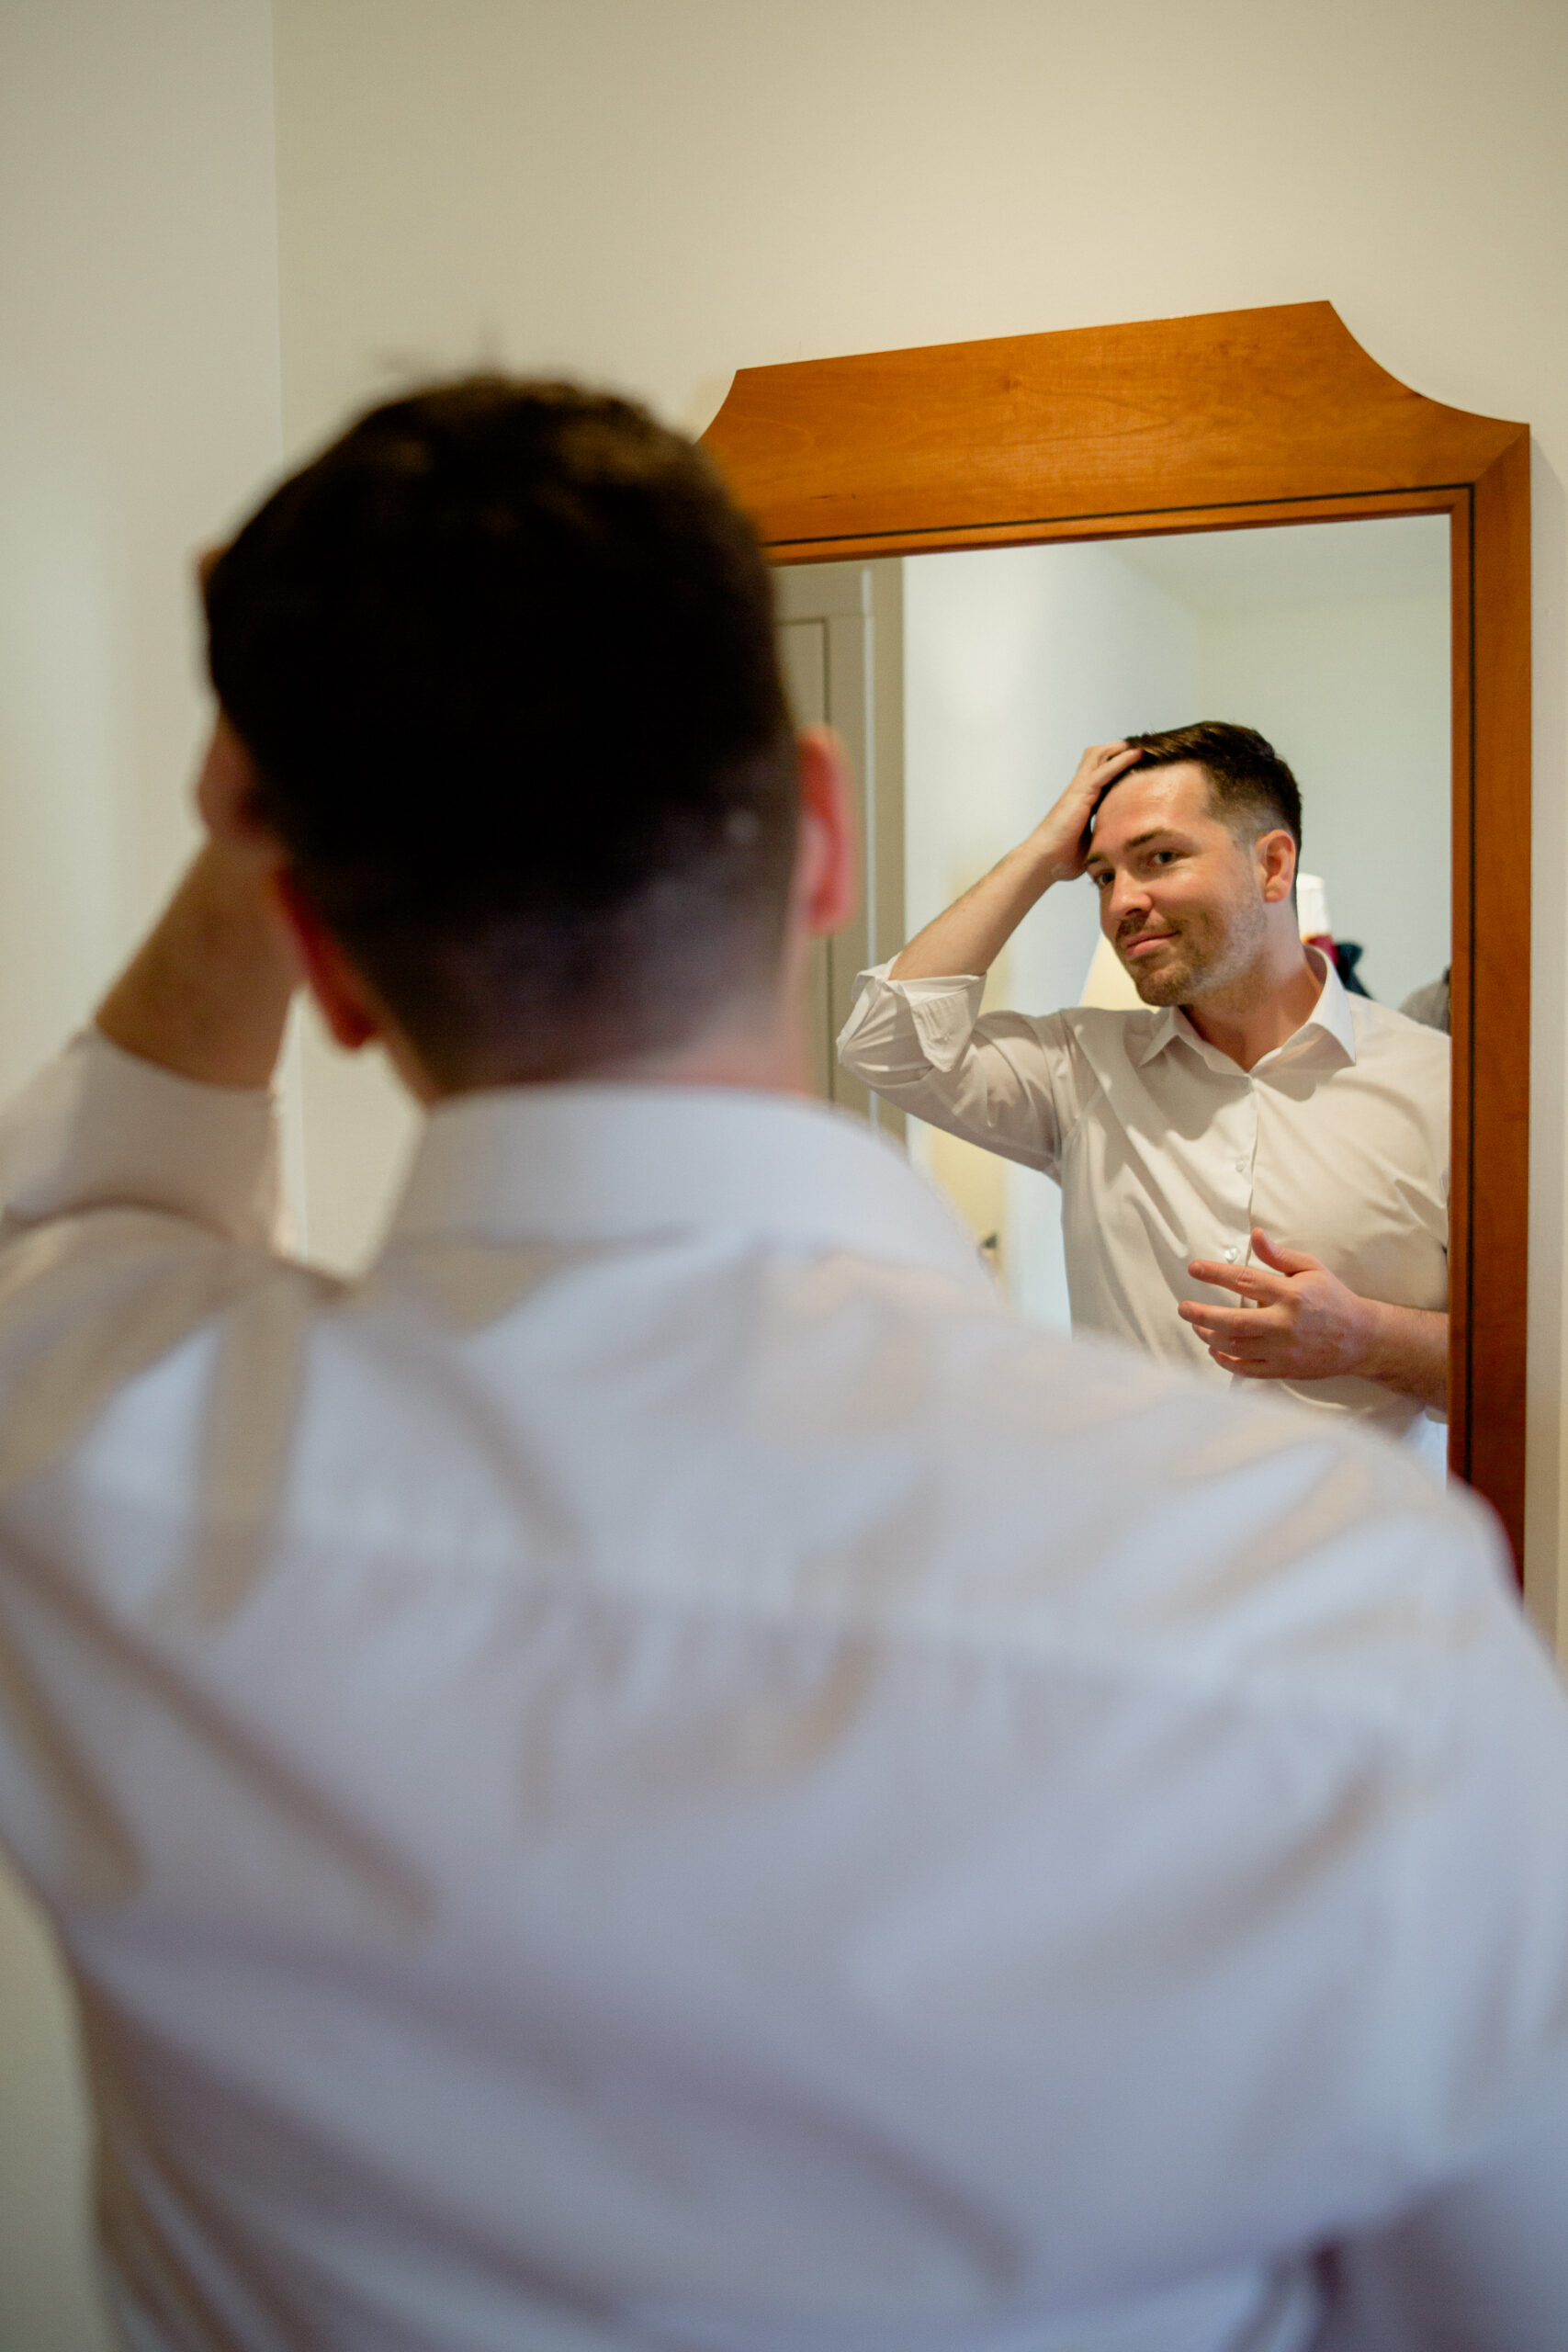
[(1235, 419)]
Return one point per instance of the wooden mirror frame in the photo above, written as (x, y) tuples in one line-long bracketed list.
[(1228, 421)]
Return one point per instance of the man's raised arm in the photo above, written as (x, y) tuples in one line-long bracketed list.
[(925, 1047), (207, 995), (974, 931), (166, 1104)]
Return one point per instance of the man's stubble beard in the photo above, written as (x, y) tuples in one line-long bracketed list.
[(1210, 954)]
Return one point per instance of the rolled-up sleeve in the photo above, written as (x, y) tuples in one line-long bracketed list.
[(1000, 1079), (100, 1129)]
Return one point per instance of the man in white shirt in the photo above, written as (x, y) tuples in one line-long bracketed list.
[(661, 1773), (1254, 1171)]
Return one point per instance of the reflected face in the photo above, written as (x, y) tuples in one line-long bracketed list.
[(1180, 897)]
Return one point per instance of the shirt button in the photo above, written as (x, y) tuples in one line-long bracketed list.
[(1231, 1256), (1242, 1166)]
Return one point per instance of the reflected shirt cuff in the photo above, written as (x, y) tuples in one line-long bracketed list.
[(942, 1011)]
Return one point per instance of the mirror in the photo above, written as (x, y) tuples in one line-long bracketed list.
[(1332, 642), (1265, 421)]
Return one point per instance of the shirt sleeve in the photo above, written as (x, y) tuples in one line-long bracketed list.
[(99, 1128), (1000, 1079), (1477, 2030)]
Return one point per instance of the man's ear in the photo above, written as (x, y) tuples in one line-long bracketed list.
[(1276, 855), (346, 1004), (826, 865)]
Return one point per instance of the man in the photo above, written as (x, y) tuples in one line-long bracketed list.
[(1254, 1171), (661, 1773)]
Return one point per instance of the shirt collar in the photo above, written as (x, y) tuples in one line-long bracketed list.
[(596, 1163), (1330, 1017)]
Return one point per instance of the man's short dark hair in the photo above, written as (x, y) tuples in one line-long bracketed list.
[(503, 656), (1249, 784)]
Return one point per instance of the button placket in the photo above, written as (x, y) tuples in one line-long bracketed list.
[(1232, 1252)]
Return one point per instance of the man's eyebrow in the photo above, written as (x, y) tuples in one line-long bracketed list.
[(1139, 840)]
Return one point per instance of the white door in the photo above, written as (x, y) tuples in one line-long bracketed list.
[(841, 641)]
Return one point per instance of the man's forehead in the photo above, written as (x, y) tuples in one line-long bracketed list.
[(1144, 799)]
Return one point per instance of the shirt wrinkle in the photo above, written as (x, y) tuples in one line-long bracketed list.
[(813, 1736)]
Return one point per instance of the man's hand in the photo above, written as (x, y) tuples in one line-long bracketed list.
[(1061, 840), (208, 994), (1303, 1323), (974, 931)]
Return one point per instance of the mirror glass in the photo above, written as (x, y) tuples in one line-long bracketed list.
[(1332, 640)]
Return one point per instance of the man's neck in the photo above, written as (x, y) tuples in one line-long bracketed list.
[(761, 1047), (761, 1063), (1253, 1014)]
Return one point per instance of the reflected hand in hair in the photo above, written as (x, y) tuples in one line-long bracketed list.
[(1301, 1322), (974, 931), (1063, 834)]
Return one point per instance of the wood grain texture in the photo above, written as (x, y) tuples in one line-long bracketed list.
[(1232, 420), (1230, 409), (1462, 877), (1497, 1064), (1253, 515)]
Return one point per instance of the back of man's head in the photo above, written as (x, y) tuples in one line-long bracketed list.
[(503, 657), (1251, 787)]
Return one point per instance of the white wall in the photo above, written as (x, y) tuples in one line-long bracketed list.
[(1333, 642), (1014, 660), (139, 405), (1356, 696)]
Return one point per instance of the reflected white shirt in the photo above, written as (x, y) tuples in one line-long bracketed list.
[(663, 1772), (1167, 1150)]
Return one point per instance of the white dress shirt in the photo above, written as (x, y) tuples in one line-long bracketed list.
[(1167, 1150), (663, 1772)]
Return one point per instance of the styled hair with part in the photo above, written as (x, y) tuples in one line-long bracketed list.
[(1250, 787), (503, 656)]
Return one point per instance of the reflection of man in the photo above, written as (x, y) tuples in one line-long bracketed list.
[(662, 1772), (1254, 1171)]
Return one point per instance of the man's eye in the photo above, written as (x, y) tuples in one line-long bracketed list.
[(1099, 877)]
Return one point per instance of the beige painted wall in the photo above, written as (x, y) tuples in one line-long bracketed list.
[(655, 194), (139, 403)]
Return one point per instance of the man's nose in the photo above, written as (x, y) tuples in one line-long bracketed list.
[(1125, 897)]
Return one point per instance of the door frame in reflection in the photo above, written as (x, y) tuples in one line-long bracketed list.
[(1223, 423)]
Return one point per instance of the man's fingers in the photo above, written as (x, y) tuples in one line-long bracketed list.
[(1248, 1282), (1220, 1277), (1221, 1327), (1285, 1262), (1248, 1323), (1065, 830), (1098, 769), (1112, 760), (1097, 754), (225, 796)]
